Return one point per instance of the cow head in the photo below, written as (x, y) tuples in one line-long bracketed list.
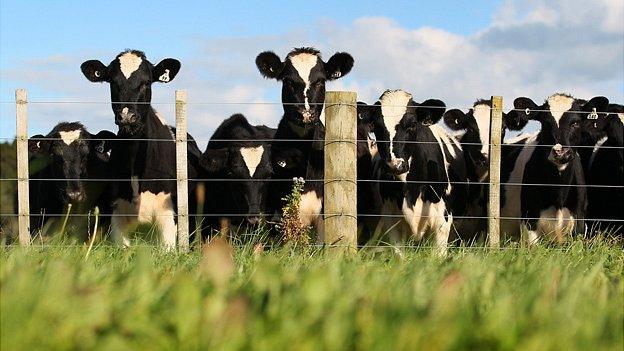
[(248, 165), (394, 117), (602, 125), (303, 75), (68, 150), (130, 76), (367, 142), (475, 137), (560, 117)]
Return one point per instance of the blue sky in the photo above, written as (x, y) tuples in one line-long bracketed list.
[(42, 44)]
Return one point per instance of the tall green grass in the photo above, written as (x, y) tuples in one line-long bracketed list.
[(567, 298)]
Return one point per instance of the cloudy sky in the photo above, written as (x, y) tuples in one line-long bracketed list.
[(457, 52)]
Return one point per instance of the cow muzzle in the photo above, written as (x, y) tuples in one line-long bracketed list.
[(125, 116), (398, 165), (75, 195), (560, 156), (308, 116)]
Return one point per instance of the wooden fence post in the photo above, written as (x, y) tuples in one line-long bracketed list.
[(23, 205), (340, 184), (182, 171), (496, 121)]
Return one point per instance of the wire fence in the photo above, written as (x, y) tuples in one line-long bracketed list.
[(591, 115)]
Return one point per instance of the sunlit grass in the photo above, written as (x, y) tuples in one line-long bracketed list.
[(223, 298)]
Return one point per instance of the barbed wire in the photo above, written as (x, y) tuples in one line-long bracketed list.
[(365, 215), (260, 140), (268, 180), (229, 103)]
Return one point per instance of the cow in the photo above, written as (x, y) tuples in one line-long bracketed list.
[(552, 199), (297, 148), (145, 150), (605, 209), (368, 200), (64, 168), (421, 168), (244, 161)]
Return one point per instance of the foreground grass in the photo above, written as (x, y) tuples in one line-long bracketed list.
[(141, 298)]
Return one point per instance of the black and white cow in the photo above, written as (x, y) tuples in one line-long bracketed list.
[(145, 151), (368, 200), (297, 149), (427, 161), (605, 168), (246, 161), (59, 163), (556, 209)]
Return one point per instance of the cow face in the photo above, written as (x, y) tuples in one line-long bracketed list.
[(130, 76), (475, 126), (367, 142), (303, 75), (560, 117), (68, 150), (396, 115), (248, 165), (600, 125)]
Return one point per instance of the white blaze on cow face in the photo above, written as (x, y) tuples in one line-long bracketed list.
[(393, 108), (70, 136), (481, 114), (558, 105), (303, 64), (128, 63), (252, 157)]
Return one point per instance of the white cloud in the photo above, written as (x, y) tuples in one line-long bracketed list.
[(530, 49)]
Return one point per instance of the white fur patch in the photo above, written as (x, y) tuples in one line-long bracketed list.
[(70, 137), (252, 157), (595, 150), (559, 104), (445, 141), (481, 114), (393, 107), (512, 207), (303, 63), (371, 141), (129, 63), (621, 117), (309, 208), (556, 224), (425, 216), (158, 208)]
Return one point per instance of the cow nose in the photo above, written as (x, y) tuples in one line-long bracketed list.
[(398, 165), (126, 116), (558, 149), (307, 115), (253, 220), (75, 195)]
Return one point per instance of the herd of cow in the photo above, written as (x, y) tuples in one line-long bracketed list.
[(415, 177)]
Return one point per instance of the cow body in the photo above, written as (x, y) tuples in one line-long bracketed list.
[(552, 199), (246, 161), (418, 166), (65, 166), (605, 208), (145, 151), (297, 148)]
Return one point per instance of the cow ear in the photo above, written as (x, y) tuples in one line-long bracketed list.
[(103, 141), (269, 65), (524, 110), (600, 103), (165, 70), (214, 160), (94, 70), (338, 65), (455, 119), (38, 146), (430, 111)]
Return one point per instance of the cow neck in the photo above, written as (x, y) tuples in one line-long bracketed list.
[(302, 130), (148, 155)]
